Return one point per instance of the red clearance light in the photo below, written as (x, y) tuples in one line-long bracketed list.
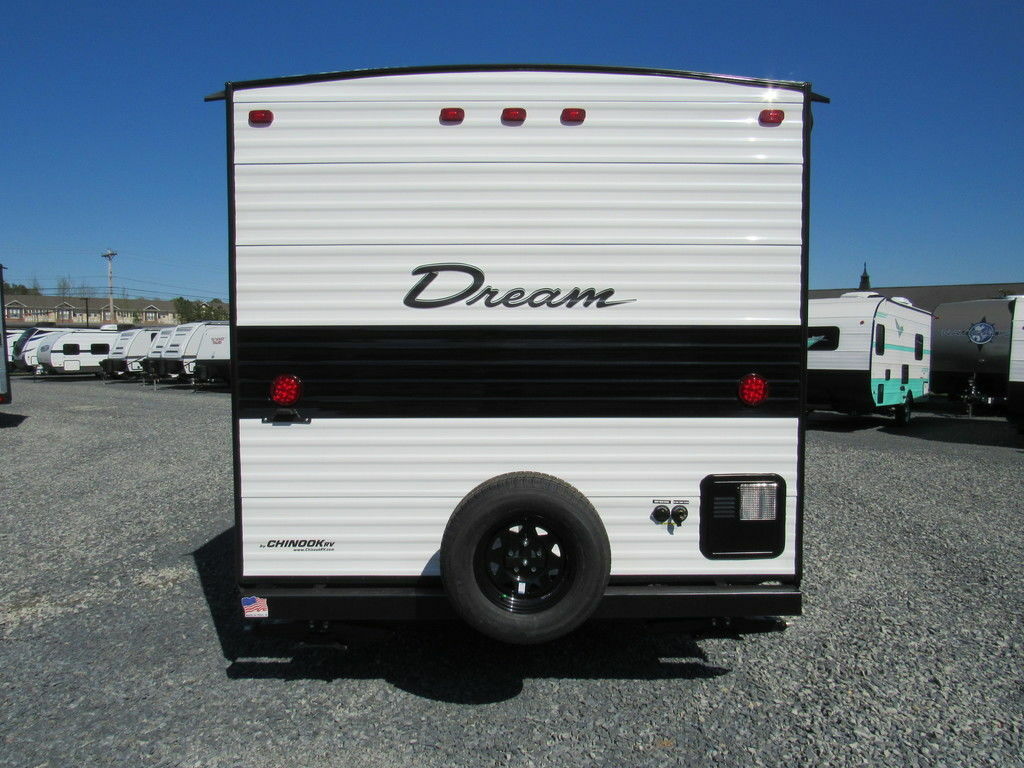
[(753, 389), (771, 117), (573, 115), (452, 115), (513, 115), (285, 390), (260, 117)]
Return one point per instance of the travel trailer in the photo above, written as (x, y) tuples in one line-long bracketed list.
[(1015, 389), (179, 355), (27, 342), (75, 351), (151, 362), (973, 343), (522, 345), (213, 356), (868, 354), (27, 358), (130, 347), (5, 359)]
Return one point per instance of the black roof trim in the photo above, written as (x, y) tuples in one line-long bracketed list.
[(360, 73)]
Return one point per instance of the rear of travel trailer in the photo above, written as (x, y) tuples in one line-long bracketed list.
[(76, 352), (867, 353), (213, 356), (129, 348), (179, 356), (522, 345), (973, 341)]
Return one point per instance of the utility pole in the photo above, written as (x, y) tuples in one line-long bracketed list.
[(109, 256)]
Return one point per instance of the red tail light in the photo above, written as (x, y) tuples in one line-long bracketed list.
[(771, 117), (261, 117), (285, 390), (513, 115), (573, 115), (453, 115), (753, 389)]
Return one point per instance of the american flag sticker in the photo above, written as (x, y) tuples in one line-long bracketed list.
[(255, 608)]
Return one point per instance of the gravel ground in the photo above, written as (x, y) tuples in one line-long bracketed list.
[(120, 642)]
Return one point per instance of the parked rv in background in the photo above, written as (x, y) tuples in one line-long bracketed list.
[(75, 351), (151, 362), (213, 355), (973, 342), (867, 353), (128, 350), (26, 344), (5, 361), (1015, 389), (179, 354)]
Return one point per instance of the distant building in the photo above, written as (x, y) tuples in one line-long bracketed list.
[(930, 296), (22, 311)]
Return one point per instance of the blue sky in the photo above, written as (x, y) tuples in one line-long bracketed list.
[(107, 143)]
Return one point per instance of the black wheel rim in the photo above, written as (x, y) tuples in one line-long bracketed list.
[(525, 564)]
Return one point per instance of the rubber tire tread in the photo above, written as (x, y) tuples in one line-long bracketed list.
[(484, 507)]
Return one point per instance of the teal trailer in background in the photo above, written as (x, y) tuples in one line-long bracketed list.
[(867, 353)]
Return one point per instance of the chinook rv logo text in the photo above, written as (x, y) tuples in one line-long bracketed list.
[(492, 297), (300, 545)]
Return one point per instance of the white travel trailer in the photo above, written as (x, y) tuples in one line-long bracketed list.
[(867, 353), (9, 338), (974, 349), (151, 362), (5, 362), (179, 355), (1015, 389), (75, 351), (130, 347), (518, 344), (27, 358), (213, 356), (26, 344)]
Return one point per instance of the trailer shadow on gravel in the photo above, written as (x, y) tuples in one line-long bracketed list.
[(445, 661), (11, 420), (939, 427)]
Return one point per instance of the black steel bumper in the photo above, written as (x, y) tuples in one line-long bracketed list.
[(619, 602)]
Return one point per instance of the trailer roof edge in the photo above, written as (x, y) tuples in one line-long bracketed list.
[(362, 73)]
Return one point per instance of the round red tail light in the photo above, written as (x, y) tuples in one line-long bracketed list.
[(771, 117), (285, 390), (753, 389)]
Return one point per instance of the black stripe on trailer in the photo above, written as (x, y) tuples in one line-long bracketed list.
[(520, 371)]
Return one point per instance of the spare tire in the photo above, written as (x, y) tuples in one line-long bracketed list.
[(525, 558)]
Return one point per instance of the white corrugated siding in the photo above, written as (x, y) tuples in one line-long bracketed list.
[(697, 285), (670, 193), (383, 489), (1017, 342)]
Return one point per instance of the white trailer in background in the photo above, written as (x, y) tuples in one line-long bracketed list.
[(179, 355), (867, 353), (9, 338), (130, 347), (26, 344), (523, 344), (75, 352), (213, 356), (1015, 388), (151, 362), (6, 361)]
